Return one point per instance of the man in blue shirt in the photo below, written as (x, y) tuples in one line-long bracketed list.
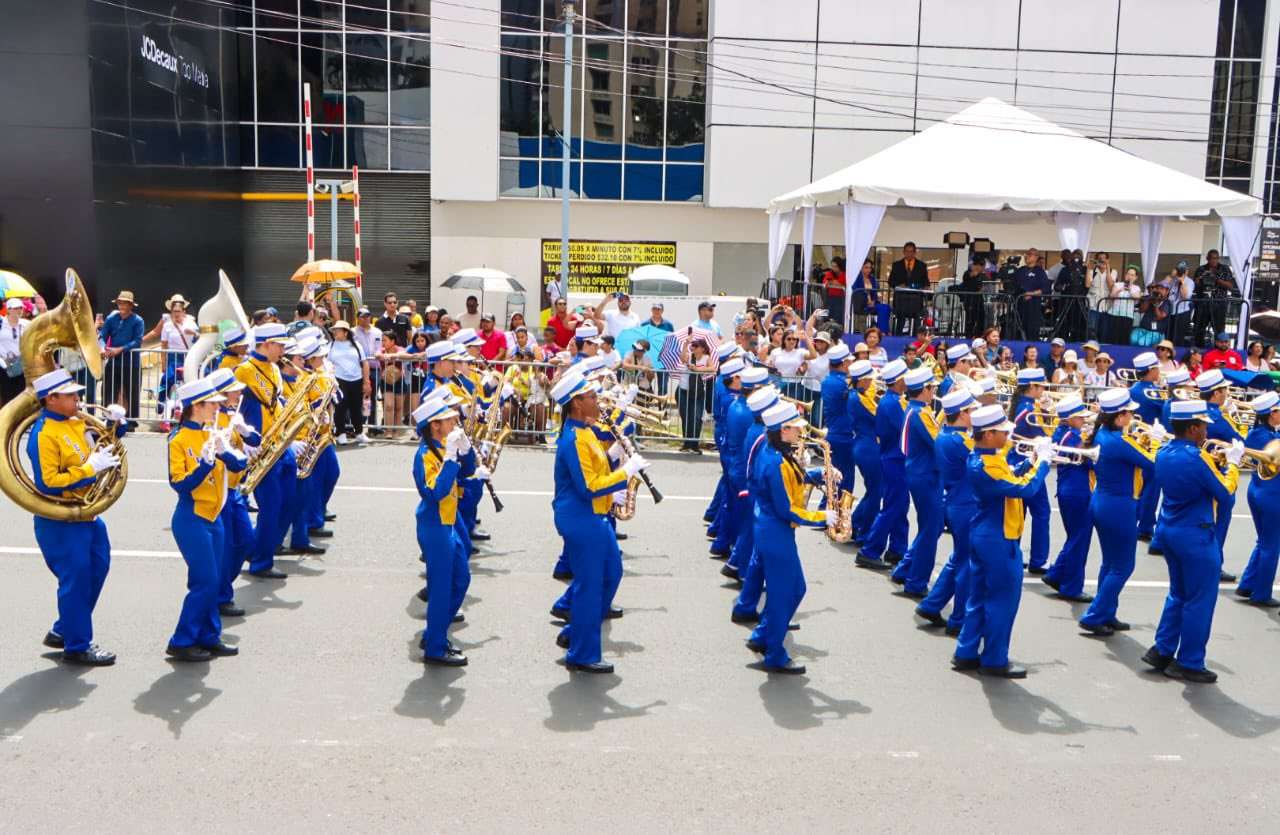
[(1034, 285), (121, 337)]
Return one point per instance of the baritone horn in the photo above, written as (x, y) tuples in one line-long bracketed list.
[(225, 305), (69, 325)]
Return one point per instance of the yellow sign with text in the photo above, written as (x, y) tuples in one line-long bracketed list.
[(602, 266)]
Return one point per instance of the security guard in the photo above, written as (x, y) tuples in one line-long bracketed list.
[(919, 430), (1194, 488), (436, 472), (1214, 389), (780, 479), (835, 405), (1066, 575), (1123, 469), (951, 449), (64, 463), (199, 461), (1257, 582), (747, 605), (265, 388), (727, 521), (1150, 396), (1031, 382), (235, 345), (996, 573), (237, 527), (720, 400), (584, 484), (866, 455), (887, 537), (741, 419)]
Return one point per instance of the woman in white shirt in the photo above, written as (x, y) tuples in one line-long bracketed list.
[(789, 362), (1167, 362), (876, 353), (1254, 360), (1098, 285), (12, 381), (816, 369), (351, 368), (1101, 376), (1124, 304), (1068, 374), (177, 332)]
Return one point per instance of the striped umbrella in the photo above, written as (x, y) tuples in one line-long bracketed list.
[(14, 286), (673, 346)]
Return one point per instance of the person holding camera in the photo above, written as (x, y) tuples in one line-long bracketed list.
[(1098, 285)]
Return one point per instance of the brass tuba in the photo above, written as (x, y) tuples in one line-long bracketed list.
[(225, 305), (70, 325)]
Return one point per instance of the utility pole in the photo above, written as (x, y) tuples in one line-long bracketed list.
[(567, 139)]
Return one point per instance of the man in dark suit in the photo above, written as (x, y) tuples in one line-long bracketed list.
[(907, 277)]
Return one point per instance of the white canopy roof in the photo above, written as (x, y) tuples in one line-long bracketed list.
[(994, 156)]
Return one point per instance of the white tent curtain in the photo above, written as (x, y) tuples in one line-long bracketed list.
[(861, 222), (1240, 239), (810, 220), (780, 225), (1075, 229), (1150, 231)]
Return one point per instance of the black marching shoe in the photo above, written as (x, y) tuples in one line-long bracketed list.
[(898, 581), (910, 595), (268, 574), (871, 563), (1119, 626), (1266, 604), (614, 613), (1176, 670), (422, 594), (719, 555), (745, 617), (756, 646), (620, 536), (953, 631), (1007, 671), (1245, 593), (94, 656), (1083, 597), (1053, 584), (230, 610), (53, 640), (449, 659), (933, 618), (1155, 551), (458, 618), (1037, 570), (1102, 630), (308, 549), (320, 533), (1156, 660), (964, 665), (562, 640), (892, 557), (221, 650), (1226, 576), (1144, 537), (331, 517), (480, 536), (559, 613), (192, 653), (562, 575), (792, 669), (597, 667), (730, 572)]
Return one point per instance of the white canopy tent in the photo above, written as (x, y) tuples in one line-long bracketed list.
[(993, 157)]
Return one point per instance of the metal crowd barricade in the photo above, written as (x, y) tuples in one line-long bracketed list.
[(142, 380)]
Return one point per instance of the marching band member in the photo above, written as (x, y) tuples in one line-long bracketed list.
[(887, 536), (960, 358), (951, 449), (986, 392), (1031, 386), (584, 483), (297, 492), (741, 419), (721, 397), (862, 406), (726, 522), (237, 527), (746, 608), (1122, 472), (436, 471), (439, 357), (64, 462), (1257, 582), (1066, 575), (1177, 380), (995, 586), (780, 479), (1194, 489), (326, 468), (469, 376), (264, 385), (235, 345), (199, 460), (919, 429), (835, 405), (1150, 396), (1214, 390)]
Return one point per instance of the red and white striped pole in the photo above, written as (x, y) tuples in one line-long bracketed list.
[(311, 176), (355, 216)]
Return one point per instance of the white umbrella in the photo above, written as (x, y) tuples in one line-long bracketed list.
[(484, 279), (658, 280)]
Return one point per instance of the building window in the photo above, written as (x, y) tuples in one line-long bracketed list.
[(638, 113), (1271, 190), (1237, 84)]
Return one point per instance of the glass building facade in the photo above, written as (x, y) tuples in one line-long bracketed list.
[(639, 100), (1237, 82)]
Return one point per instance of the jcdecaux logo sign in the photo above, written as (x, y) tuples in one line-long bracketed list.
[(188, 69)]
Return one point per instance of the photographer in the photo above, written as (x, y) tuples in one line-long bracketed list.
[(971, 286), (1098, 285), (1215, 285), (1070, 288)]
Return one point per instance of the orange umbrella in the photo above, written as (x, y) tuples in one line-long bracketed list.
[(325, 271)]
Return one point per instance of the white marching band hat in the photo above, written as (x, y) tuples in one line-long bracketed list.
[(893, 371), (57, 381), (990, 418), (754, 376), (860, 369), (199, 391), (918, 378), (1211, 379), (838, 353), (1111, 401), (783, 414), (270, 332), (959, 352), (1145, 360), (1070, 406), (731, 367), (1030, 375), (1190, 410), (465, 338), (762, 398), (225, 380), (1264, 403), (956, 401)]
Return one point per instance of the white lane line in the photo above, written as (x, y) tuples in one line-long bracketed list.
[(115, 552), (354, 488)]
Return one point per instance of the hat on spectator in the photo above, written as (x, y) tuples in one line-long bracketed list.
[(1190, 410), (1102, 356), (364, 311), (198, 391), (225, 380), (465, 338), (1264, 403), (1164, 343), (754, 376), (275, 332), (1030, 375), (892, 371), (730, 367), (1059, 341), (1211, 380), (861, 347), (1177, 377), (232, 338), (918, 378), (1145, 360), (762, 398), (860, 369), (704, 305), (783, 414), (177, 299), (1070, 357), (656, 306), (1091, 345), (1221, 337), (955, 402), (1115, 400), (14, 304), (838, 353), (726, 350), (125, 296), (1069, 406), (487, 317), (823, 335), (978, 344), (441, 350), (1181, 266), (990, 418), (57, 381), (959, 352)]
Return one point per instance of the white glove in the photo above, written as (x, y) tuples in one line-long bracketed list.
[(1041, 456), (116, 413), (454, 441), (464, 440), (616, 452), (240, 425), (832, 516), (103, 460), (635, 464), (250, 450), (1158, 432), (298, 447), (1043, 447), (482, 474), (629, 395), (1235, 454), (450, 452), (619, 497), (508, 390), (207, 452)]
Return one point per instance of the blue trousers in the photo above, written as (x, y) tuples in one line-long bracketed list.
[(709, 515), (1259, 575), (291, 491), (1038, 507), (954, 579), (1223, 525), (597, 571), (201, 544), (1194, 562), (303, 499), (1068, 568), (79, 555), (565, 600), (995, 590), (729, 521), (327, 471), (842, 458), (916, 566), (784, 577), (744, 540), (748, 600), (269, 532), (469, 503), (1118, 539), (866, 455), (448, 577), (890, 529), (1148, 502), (237, 543)]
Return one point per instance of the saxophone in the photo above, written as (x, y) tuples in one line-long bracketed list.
[(840, 500)]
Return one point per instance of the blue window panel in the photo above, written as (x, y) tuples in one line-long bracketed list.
[(643, 153), (644, 182), (684, 183), (551, 178), (279, 147), (603, 181), (696, 152), (247, 157)]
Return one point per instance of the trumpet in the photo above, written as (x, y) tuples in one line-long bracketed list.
[(1265, 462), (1143, 434), (1061, 454)]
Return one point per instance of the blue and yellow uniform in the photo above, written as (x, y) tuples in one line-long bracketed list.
[(237, 527), (866, 456), (78, 553), (720, 398), (1259, 577), (919, 431), (296, 490), (779, 510), (448, 573), (890, 528), (1038, 504), (1222, 430), (835, 405), (260, 406), (326, 470), (584, 484), (1195, 490), (996, 562), (1149, 410), (472, 489), (748, 600), (1120, 478), (951, 450), (731, 517), (197, 528), (229, 359), (740, 420), (1075, 495)]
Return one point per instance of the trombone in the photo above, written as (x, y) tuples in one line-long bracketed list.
[(1061, 454)]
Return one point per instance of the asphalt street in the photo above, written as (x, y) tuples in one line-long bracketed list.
[(327, 721)]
